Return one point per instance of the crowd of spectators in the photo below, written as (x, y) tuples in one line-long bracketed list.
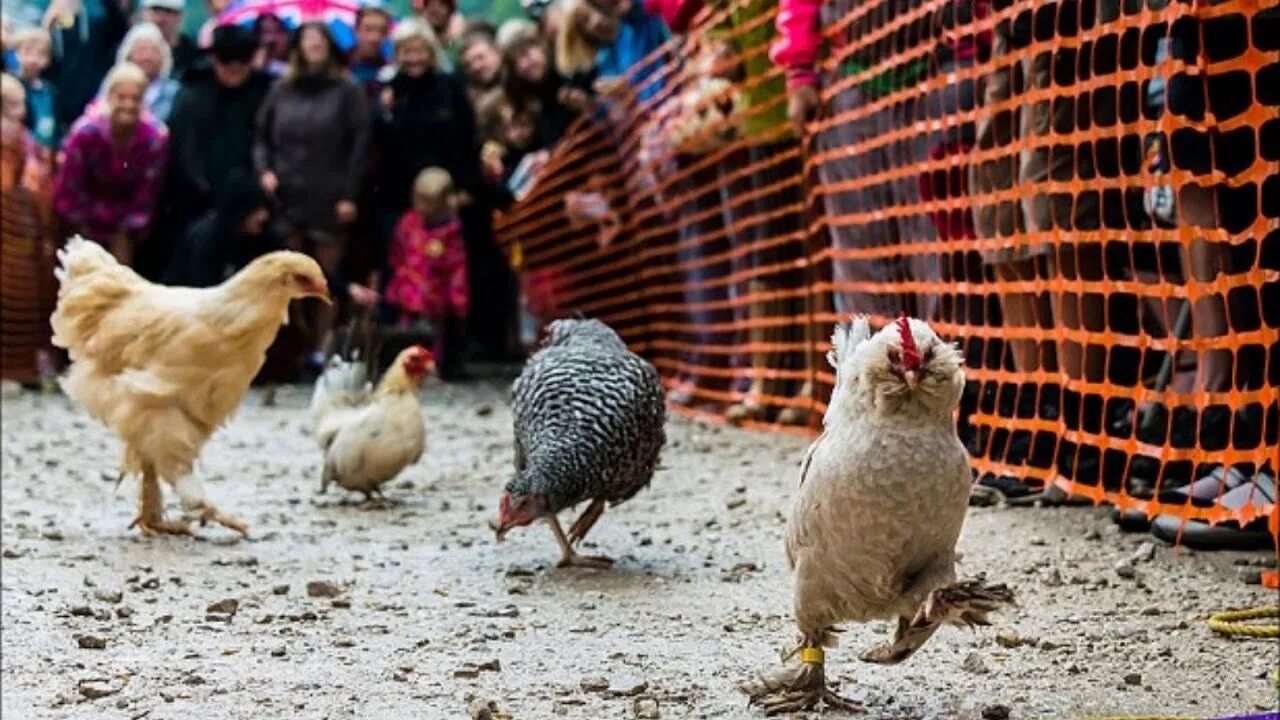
[(188, 157)]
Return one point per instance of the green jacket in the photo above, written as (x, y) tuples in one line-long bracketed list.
[(764, 105)]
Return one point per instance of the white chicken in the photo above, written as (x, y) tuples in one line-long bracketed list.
[(883, 495), (367, 445)]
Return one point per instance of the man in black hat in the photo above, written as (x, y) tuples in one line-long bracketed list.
[(210, 131)]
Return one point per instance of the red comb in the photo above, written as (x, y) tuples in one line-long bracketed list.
[(910, 355)]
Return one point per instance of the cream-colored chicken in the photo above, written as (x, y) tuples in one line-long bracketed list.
[(164, 367), (369, 445), (883, 494)]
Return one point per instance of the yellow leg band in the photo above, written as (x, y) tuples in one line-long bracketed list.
[(811, 656)]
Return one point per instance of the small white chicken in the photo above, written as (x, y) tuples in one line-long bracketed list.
[(883, 495), (367, 445)]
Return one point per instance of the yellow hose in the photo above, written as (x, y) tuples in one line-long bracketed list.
[(1231, 622)]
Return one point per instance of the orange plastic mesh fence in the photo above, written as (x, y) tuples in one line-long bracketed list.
[(1085, 194)]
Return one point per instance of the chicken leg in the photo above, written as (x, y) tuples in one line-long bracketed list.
[(150, 520), (570, 558), (585, 521), (795, 687)]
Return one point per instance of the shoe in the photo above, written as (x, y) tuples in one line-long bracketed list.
[(1230, 535)]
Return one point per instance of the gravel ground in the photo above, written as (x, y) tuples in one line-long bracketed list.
[(427, 613)]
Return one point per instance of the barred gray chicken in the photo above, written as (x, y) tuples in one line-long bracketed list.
[(588, 417)]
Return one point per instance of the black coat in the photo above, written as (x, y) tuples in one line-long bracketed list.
[(211, 136), (430, 124)]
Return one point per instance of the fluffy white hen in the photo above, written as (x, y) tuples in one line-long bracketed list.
[(883, 494)]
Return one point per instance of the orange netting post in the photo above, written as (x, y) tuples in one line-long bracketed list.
[(1084, 193)]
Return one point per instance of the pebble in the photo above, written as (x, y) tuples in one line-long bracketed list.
[(1145, 552), (1133, 678), (95, 689), (228, 606), (626, 686), (278, 651), (473, 670), (1249, 576), (1010, 640), (974, 663), (646, 708), (91, 642), (594, 684), (1124, 569), (82, 611), (323, 589), (481, 709), (280, 590), (995, 712), (109, 596)]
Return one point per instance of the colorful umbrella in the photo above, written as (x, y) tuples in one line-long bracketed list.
[(339, 15)]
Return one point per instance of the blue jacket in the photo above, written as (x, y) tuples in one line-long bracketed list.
[(638, 35)]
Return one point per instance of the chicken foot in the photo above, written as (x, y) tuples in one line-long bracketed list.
[(568, 556), (196, 502), (965, 604), (796, 687), (150, 520)]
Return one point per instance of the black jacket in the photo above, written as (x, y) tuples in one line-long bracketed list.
[(431, 124), (211, 136)]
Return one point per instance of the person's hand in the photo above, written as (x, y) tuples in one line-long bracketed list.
[(270, 182), (802, 105), (491, 160), (387, 98), (609, 85), (575, 98), (461, 199), (362, 295), (346, 211), (60, 13)]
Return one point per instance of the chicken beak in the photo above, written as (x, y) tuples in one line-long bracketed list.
[(499, 530), (912, 379), (321, 292)]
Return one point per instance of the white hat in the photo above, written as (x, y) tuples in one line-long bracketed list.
[(170, 5)]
